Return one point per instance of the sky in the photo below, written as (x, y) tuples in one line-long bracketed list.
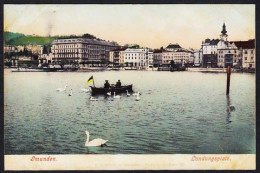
[(150, 26)]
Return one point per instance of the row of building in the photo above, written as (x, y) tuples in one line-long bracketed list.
[(223, 53), (213, 53), (35, 49)]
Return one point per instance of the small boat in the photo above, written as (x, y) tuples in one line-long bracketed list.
[(112, 89)]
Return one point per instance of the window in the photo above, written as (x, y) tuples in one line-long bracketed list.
[(252, 51), (245, 51), (245, 58), (252, 58)]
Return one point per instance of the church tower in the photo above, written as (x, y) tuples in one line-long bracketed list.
[(224, 35)]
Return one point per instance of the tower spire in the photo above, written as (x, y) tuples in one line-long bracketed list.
[(224, 35), (224, 32)]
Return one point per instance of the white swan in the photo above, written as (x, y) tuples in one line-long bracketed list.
[(94, 143), (109, 93), (137, 98), (127, 94), (70, 94), (85, 90), (116, 96), (93, 99), (137, 94), (61, 89)]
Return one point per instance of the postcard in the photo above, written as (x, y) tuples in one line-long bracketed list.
[(129, 87)]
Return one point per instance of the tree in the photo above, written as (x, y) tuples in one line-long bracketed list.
[(88, 36), (172, 64), (136, 46)]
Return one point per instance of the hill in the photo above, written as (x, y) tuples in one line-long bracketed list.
[(15, 39)]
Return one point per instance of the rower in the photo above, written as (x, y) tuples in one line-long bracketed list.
[(118, 84), (106, 85)]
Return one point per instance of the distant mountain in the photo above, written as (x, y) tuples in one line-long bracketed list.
[(15, 39)]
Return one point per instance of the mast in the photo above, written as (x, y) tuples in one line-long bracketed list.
[(93, 81)]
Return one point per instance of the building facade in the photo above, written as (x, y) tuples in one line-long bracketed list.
[(210, 49), (198, 58), (10, 49), (230, 56), (116, 57), (157, 57), (140, 58), (35, 49), (182, 57), (238, 54), (248, 53), (82, 50)]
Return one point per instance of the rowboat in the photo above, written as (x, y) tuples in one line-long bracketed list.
[(112, 89)]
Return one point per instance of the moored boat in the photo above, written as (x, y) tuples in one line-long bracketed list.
[(112, 89)]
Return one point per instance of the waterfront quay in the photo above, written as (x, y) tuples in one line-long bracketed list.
[(86, 54)]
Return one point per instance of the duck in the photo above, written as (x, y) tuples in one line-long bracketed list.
[(127, 94), (109, 93), (95, 142), (116, 96), (93, 98), (61, 89)]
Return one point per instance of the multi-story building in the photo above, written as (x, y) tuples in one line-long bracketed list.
[(20, 48), (116, 56), (157, 57), (140, 58), (45, 58), (179, 57), (248, 53), (210, 49), (10, 49), (229, 56), (150, 59), (198, 58), (35, 49), (82, 50), (210, 46), (237, 54)]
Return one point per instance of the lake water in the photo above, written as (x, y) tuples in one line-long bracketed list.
[(179, 113)]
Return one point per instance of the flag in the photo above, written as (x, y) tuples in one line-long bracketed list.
[(90, 80)]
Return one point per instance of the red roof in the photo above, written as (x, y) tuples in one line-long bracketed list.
[(250, 44), (119, 49), (158, 50)]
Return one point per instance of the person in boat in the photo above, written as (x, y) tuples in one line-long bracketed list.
[(118, 84), (106, 85)]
